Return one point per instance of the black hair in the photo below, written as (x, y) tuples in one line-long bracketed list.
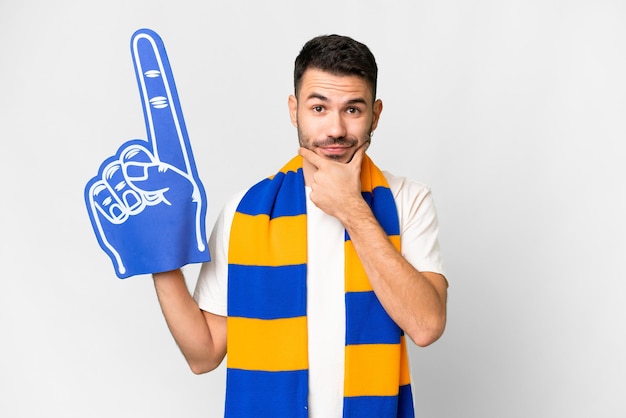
[(336, 54)]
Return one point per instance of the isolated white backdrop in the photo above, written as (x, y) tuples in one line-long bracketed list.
[(514, 112)]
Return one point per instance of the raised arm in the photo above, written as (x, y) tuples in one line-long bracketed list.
[(200, 335), (415, 300)]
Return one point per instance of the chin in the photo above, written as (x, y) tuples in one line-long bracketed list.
[(340, 158)]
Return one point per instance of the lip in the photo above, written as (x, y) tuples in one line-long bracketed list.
[(334, 149), (335, 152)]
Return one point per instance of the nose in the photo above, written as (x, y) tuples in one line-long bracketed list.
[(336, 127)]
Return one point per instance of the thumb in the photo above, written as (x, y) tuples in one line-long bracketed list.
[(154, 177)]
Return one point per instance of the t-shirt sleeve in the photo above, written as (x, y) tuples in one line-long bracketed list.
[(419, 226), (211, 290)]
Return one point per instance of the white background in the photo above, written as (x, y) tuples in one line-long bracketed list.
[(514, 112)]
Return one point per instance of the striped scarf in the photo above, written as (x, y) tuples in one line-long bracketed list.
[(267, 361)]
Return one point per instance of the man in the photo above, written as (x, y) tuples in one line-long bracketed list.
[(320, 271)]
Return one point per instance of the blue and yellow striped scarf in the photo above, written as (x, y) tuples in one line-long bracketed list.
[(267, 361)]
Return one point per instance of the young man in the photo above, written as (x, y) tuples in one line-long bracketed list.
[(319, 271)]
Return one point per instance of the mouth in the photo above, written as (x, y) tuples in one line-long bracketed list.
[(335, 152), (336, 149)]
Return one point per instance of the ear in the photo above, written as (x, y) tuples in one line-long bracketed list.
[(378, 108), (293, 110)]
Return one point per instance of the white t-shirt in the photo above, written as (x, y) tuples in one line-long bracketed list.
[(325, 282)]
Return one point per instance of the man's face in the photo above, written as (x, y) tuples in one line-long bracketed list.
[(334, 114)]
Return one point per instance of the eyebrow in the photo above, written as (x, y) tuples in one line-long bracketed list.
[(318, 96)]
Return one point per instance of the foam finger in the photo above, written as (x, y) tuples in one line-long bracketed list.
[(165, 125)]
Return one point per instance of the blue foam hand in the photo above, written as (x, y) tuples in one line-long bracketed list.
[(147, 204)]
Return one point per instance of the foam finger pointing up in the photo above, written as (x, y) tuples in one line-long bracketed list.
[(163, 116)]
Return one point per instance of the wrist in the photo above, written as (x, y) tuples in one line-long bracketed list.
[(355, 213)]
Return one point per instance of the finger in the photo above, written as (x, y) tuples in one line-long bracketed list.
[(105, 203), (111, 195), (117, 185), (134, 159), (311, 157), (101, 206), (165, 124)]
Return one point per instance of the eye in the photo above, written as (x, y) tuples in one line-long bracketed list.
[(353, 110), (318, 108)]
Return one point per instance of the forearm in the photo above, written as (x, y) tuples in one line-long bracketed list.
[(188, 324), (415, 301)]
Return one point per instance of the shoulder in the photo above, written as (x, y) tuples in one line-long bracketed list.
[(414, 202), (405, 189), (233, 201)]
